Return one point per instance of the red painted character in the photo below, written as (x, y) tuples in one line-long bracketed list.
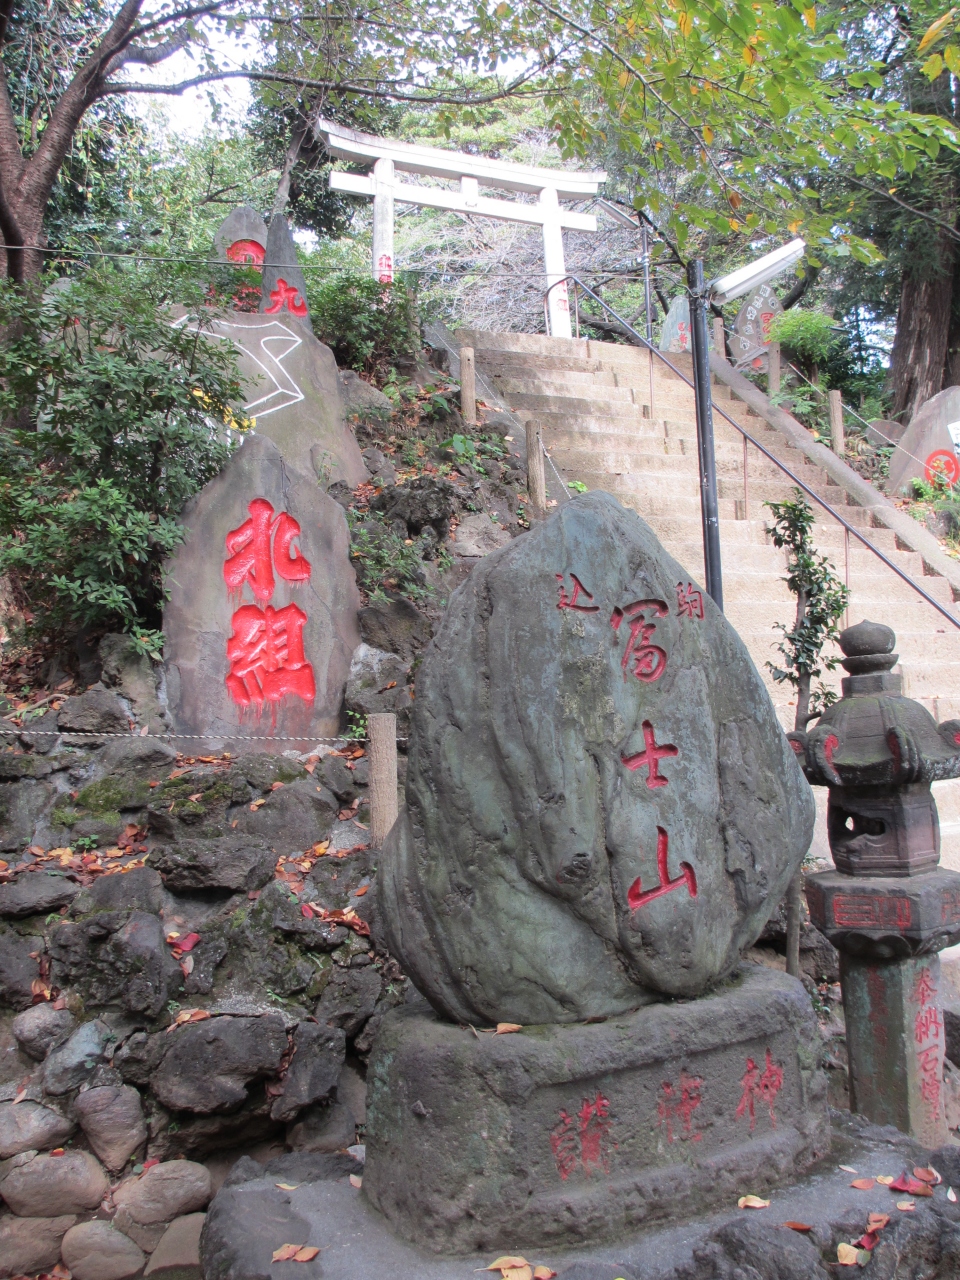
[(286, 295), (585, 1144), (385, 268), (931, 1071), (926, 988), (638, 897), (253, 560), (564, 1145), (266, 656), (764, 1085), (570, 602), (650, 757), (673, 1106), (649, 660), (689, 601)]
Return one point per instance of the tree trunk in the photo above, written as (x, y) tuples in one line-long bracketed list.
[(951, 364), (923, 323)]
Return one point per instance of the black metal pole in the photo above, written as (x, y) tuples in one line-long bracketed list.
[(709, 513), (647, 295)]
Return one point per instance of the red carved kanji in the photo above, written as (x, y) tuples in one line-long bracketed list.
[(570, 601), (928, 1024), (266, 656), (679, 1105), (931, 1071), (585, 1143), (649, 660), (925, 989), (636, 897), (286, 295), (689, 601), (927, 1027), (651, 756), (764, 1085), (253, 560), (246, 251), (385, 268), (863, 911)]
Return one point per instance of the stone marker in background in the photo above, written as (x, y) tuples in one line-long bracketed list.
[(750, 339), (283, 288), (929, 445), (261, 620), (601, 811), (241, 237)]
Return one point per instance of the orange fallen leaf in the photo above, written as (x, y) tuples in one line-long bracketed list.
[(275, 786), (57, 1151), (752, 1202), (361, 891), (306, 1254), (927, 1175), (877, 1221), (285, 1253), (505, 1262), (864, 1184), (517, 1273), (906, 1206), (543, 1273), (798, 1226), (507, 1028), (885, 1180), (258, 804), (356, 1180), (197, 795), (287, 1186), (846, 1255)]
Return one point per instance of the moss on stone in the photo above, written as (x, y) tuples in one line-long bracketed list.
[(111, 794), (65, 817)]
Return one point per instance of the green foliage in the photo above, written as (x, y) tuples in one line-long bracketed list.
[(112, 417), (462, 447), (384, 560), (808, 335), (368, 324), (356, 726), (821, 600), (577, 486)]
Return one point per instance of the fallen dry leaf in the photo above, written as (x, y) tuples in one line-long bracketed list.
[(877, 1221), (57, 1151), (356, 1180), (507, 1028), (906, 1206), (847, 1168), (752, 1202), (188, 1015), (927, 1175), (912, 1186), (867, 1241), (258, 804), (865, 1184), (846, 1255), (951, 1195), (361, 891), (517, 1273), (306, 1253), (884, 1179), (505, 1262), (196, 797), (275, 786), (286, 1253), (798, 1226), (287, 1186), (186, 966), (543, 1273)]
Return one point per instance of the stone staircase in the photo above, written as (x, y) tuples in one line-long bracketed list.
[(607, 425)]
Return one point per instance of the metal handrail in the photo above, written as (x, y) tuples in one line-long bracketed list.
[(642, 341)]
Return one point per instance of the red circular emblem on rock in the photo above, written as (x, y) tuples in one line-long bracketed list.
[(942, 462)]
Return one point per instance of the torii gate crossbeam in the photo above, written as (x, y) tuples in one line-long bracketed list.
[(388, 156)]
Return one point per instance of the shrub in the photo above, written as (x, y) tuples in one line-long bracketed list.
[(369, 325), (111, 417), (809, 336)]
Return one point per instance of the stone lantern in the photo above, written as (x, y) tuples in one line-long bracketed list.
[(889, 907)]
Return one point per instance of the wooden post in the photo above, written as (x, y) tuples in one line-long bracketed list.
[(836, 423), (773, 369), (536, 477), (468, 386), (382, 731), (719, 338)]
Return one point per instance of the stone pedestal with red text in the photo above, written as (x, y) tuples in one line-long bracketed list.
[(569, 1133)]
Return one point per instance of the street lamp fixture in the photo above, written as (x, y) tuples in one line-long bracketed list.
[(725, 288)]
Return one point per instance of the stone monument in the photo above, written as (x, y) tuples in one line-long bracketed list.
[(888, 907), (929, 445), (601, 812)]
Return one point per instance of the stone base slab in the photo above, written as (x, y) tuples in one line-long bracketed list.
[(565, 1134)]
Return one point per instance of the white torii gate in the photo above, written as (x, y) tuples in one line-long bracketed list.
[(388, 156)]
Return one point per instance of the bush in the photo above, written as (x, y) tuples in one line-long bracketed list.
[(809, 336), (369, 325), (112, 417)]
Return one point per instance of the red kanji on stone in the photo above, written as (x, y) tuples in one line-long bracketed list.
[(689, 601), (385, 268), (570, 601), (649, 660), (651, 756), (928, 1024), (266, 656), (931, 1070), (286, 295), (764, 1085), (925, 989), (252, 558), (584, 1143), (680, 1104), (638, 897)]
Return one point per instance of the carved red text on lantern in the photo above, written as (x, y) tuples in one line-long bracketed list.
[(286, 295), (650, 757), (260, 545), (950, 907), (583, 1140), (649, 660), (638, 897), (570, 601), (677, 1104), (689, 601), (862, 911), (266, 656), (763, 1085), (927, 1029)]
